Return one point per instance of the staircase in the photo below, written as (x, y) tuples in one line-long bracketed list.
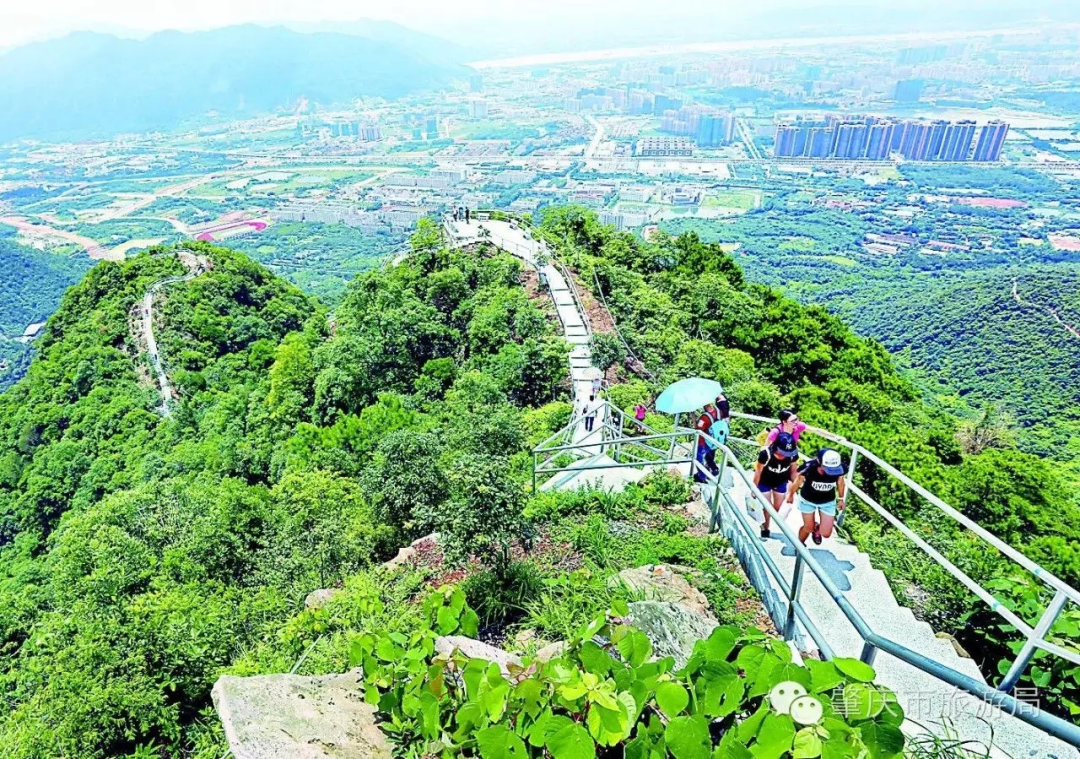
[(605, 458), (575, 324), (927, 701)]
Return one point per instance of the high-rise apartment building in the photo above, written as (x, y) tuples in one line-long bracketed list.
[(874, 138), (908, 90), (991, 140)]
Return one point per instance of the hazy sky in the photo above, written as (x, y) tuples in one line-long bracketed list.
[(26, 20)]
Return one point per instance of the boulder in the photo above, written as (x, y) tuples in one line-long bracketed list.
[(294, 717), (408, 553), (672, 628), (960, 650), (661, 582), (404, 556), (317, 599), (550, 651), (475, 649)]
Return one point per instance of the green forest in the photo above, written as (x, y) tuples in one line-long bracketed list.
[(142, 557), (321, 259), (30, 290), (950, 321)]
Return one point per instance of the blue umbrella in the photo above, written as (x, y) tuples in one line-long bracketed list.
[(687, 395)]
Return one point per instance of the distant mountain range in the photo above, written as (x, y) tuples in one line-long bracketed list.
[(87, 85)]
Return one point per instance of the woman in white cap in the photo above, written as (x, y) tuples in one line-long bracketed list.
[(821, 488)]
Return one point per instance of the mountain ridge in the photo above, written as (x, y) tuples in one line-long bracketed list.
[(89, 84)]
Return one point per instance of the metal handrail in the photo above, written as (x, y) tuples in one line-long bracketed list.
[(1049, 615), (872, 642)]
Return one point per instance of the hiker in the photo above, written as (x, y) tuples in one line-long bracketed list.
[(821, 487), (596, 385), (719, 431), (789, 423), (639, 415), (703, 425), (776, 470), (589, 412), (466, 214)]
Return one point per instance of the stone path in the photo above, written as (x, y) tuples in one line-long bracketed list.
[(517, 242)]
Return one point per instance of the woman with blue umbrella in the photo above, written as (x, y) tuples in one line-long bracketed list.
[(689, 395)]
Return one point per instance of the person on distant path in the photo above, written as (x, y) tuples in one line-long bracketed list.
[(639, 415), (466, 214), (821, 487), (589, 412), (789, 423), (776, 470), (703, 425), (719, 431)]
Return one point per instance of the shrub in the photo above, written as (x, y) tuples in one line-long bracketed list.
[(665, 489), (607, 351), (603, 693)]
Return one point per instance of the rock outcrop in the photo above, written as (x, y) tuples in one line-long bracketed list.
[(672, 628), (662, 582), (475, 649), (294, 717)]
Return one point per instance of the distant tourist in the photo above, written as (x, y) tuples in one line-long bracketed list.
[(597, 383), (719, 431), (589, 412), (466, 214), (789, 423), (821, 487), (776, 470), (639, 416), (703, 426)]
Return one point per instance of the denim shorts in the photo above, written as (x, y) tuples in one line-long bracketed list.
[(828, 509), (781, 488)]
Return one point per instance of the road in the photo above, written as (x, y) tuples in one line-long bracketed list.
[(92, 248), (597, 138), (747, 136), (1052, 311)]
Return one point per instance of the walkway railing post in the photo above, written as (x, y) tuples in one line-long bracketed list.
[(1046, 621), (849, 480), (793, 597), (869, 653)]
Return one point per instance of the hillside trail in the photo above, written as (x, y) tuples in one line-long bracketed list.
[(195, 265), (569, 307), (1048, 309)]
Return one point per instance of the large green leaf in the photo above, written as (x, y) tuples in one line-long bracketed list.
[(775, 737), (824, 675), (470, 624), (749, 727), (635, 648), (883, 741), (855, 669), (571, 742), (807, 744), (595, 659), (721, 642), (672, 698), (688, 738), (723, 696), (862, 701), (499, 742)]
